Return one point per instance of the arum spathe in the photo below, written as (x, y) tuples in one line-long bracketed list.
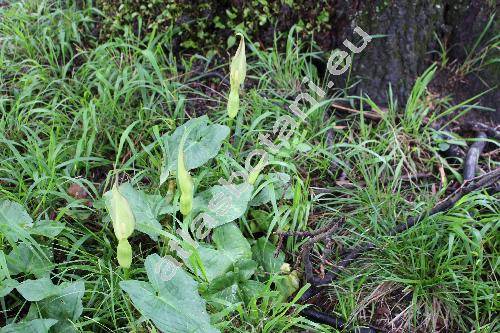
[(238, 71), (255, 172), (123, 221), (184, 180)]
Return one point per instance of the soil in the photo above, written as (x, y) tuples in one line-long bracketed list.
[(447, 83)]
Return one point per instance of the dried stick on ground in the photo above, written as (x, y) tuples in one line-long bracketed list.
[(492, 132), (367, 114), (323, 318), (306, 251), (472, 157)]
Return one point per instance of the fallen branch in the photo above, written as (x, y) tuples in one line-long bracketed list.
[(368, 114), (323, 318), (492, 132), (472, 157), (306, 251)]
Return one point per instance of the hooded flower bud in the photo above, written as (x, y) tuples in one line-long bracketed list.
[(233, 103), (239, 65), (238, 70), (255, 172), (124, 253), (184, 180), (123, 225)]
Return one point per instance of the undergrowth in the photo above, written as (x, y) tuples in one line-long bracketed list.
[(78, 115)]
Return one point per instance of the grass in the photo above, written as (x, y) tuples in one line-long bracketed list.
[(74, 109)]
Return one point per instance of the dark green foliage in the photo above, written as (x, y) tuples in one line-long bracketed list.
[(210, 24)]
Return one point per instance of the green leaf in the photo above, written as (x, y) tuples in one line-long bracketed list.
[(245, 269), (263, 253), (202, 144), (173, 305), (4, 268), (231, 245), (14, 221), (47, 228), (36, 290), (33, 326), (443, 146), (25, 259), (62, 302), (303, 147), (228, 238), (222, 282), (226, 291), (66, 306), (6, 286), (223, 204), (16, 224), (215, 262), (252, 289)]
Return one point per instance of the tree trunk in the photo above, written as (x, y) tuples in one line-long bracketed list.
[(410, 29)]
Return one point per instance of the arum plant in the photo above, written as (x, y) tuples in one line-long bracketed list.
[(255, 172), (238, 69), (184, 180), (123, 225)]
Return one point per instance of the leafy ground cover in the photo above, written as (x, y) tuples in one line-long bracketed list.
[(79, 116)]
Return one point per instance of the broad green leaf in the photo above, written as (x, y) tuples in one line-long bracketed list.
[(36, 290), (229, 239), (6, 286), (202, 144), (16, 224), (66, 306), (245, 269), (231, 247), (14, 221), (222, 282), (263, 253), (25, 259), (214, 262), (174, 304), (4, 268), (228, 292), (223, 203), (47, 228), (252, 289), (33, 326), (231, 285), (62, 302)]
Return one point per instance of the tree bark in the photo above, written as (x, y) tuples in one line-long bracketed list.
[(399, 56), (410, 29)]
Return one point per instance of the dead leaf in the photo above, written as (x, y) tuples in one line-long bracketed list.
[(77, 191)]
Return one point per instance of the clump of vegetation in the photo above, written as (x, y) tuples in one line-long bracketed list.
[(208, 25)]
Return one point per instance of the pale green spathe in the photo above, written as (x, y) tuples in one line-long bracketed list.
[(238, 71)]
